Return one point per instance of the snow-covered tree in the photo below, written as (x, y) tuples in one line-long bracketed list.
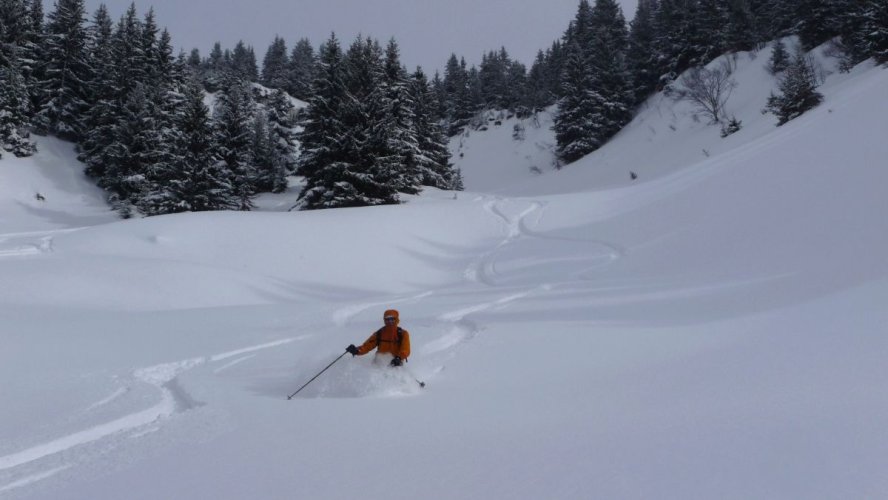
[(234, 115), (433, 159), (67, 71), (15, 107), (197, 180), (243, 62), (275, 65), (641, 55), (779, 58), (798, 90), (301, 69), (577, 124), (103, 99), (137, 144), (876, 30)]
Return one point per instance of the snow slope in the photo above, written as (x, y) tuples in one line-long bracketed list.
[(714, 329)]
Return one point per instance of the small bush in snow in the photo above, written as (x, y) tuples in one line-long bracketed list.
[(732, 126), (518, 132)]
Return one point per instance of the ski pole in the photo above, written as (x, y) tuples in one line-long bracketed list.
[(316, 376)]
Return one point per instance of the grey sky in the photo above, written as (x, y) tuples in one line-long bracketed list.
[(426, 30)]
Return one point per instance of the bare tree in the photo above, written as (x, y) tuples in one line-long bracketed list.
[(708, 89)]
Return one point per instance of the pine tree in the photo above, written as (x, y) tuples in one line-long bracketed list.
[(234, 115), (197, 180), (641, 54), (32, 57), (798, 90), (876, 30), (15, 107), (708, 20), (516, 89), (275, 65), (301, 70), (674, 36), (270, 174), (459, 101), (741, 31), (104, 96), (434, 156), (134, 151), (243, 62), (607, 56), (324, 159), (14, 30), (63, 88), (131, 64), (537, 89), (393, 128), (775, 18), (282, 122), (779, 58), (337, 131), (576, 124), (816, 21), (215, 69)]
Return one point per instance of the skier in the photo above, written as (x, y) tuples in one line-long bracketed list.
[(390, 340)]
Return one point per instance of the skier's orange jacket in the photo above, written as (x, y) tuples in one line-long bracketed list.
[(389, 339)]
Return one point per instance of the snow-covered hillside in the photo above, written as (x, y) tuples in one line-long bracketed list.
[(712, 329)]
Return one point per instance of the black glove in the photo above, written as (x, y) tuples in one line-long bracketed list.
[(351, 349), (397, 361)]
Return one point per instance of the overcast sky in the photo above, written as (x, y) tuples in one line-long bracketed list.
[(428, 31)]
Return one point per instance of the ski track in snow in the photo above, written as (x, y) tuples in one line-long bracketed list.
[(229, 365), (25, 246), (484, 269), (29, 243), (116, 394), (173, 399), (33, 478), (344, 315)]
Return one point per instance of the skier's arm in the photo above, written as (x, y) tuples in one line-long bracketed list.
[(368, 345)]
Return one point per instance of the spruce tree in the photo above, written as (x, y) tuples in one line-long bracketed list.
[(132, 153), (537, 89), (816, 21), (275, 65), (433, 159), (641, 53), (876, 30), (394, 129), (323, 157), (104, 95), (15, 108), (281, 116), (779, 58), (234, 115), (215, 69), (611, 83), (131, 64), (63, 86), (577, 125), (798, 90), (741, 31), (301, 71), (243, 62), (197, 180)]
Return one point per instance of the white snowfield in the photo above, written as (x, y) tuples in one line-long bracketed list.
[(715, 328)]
